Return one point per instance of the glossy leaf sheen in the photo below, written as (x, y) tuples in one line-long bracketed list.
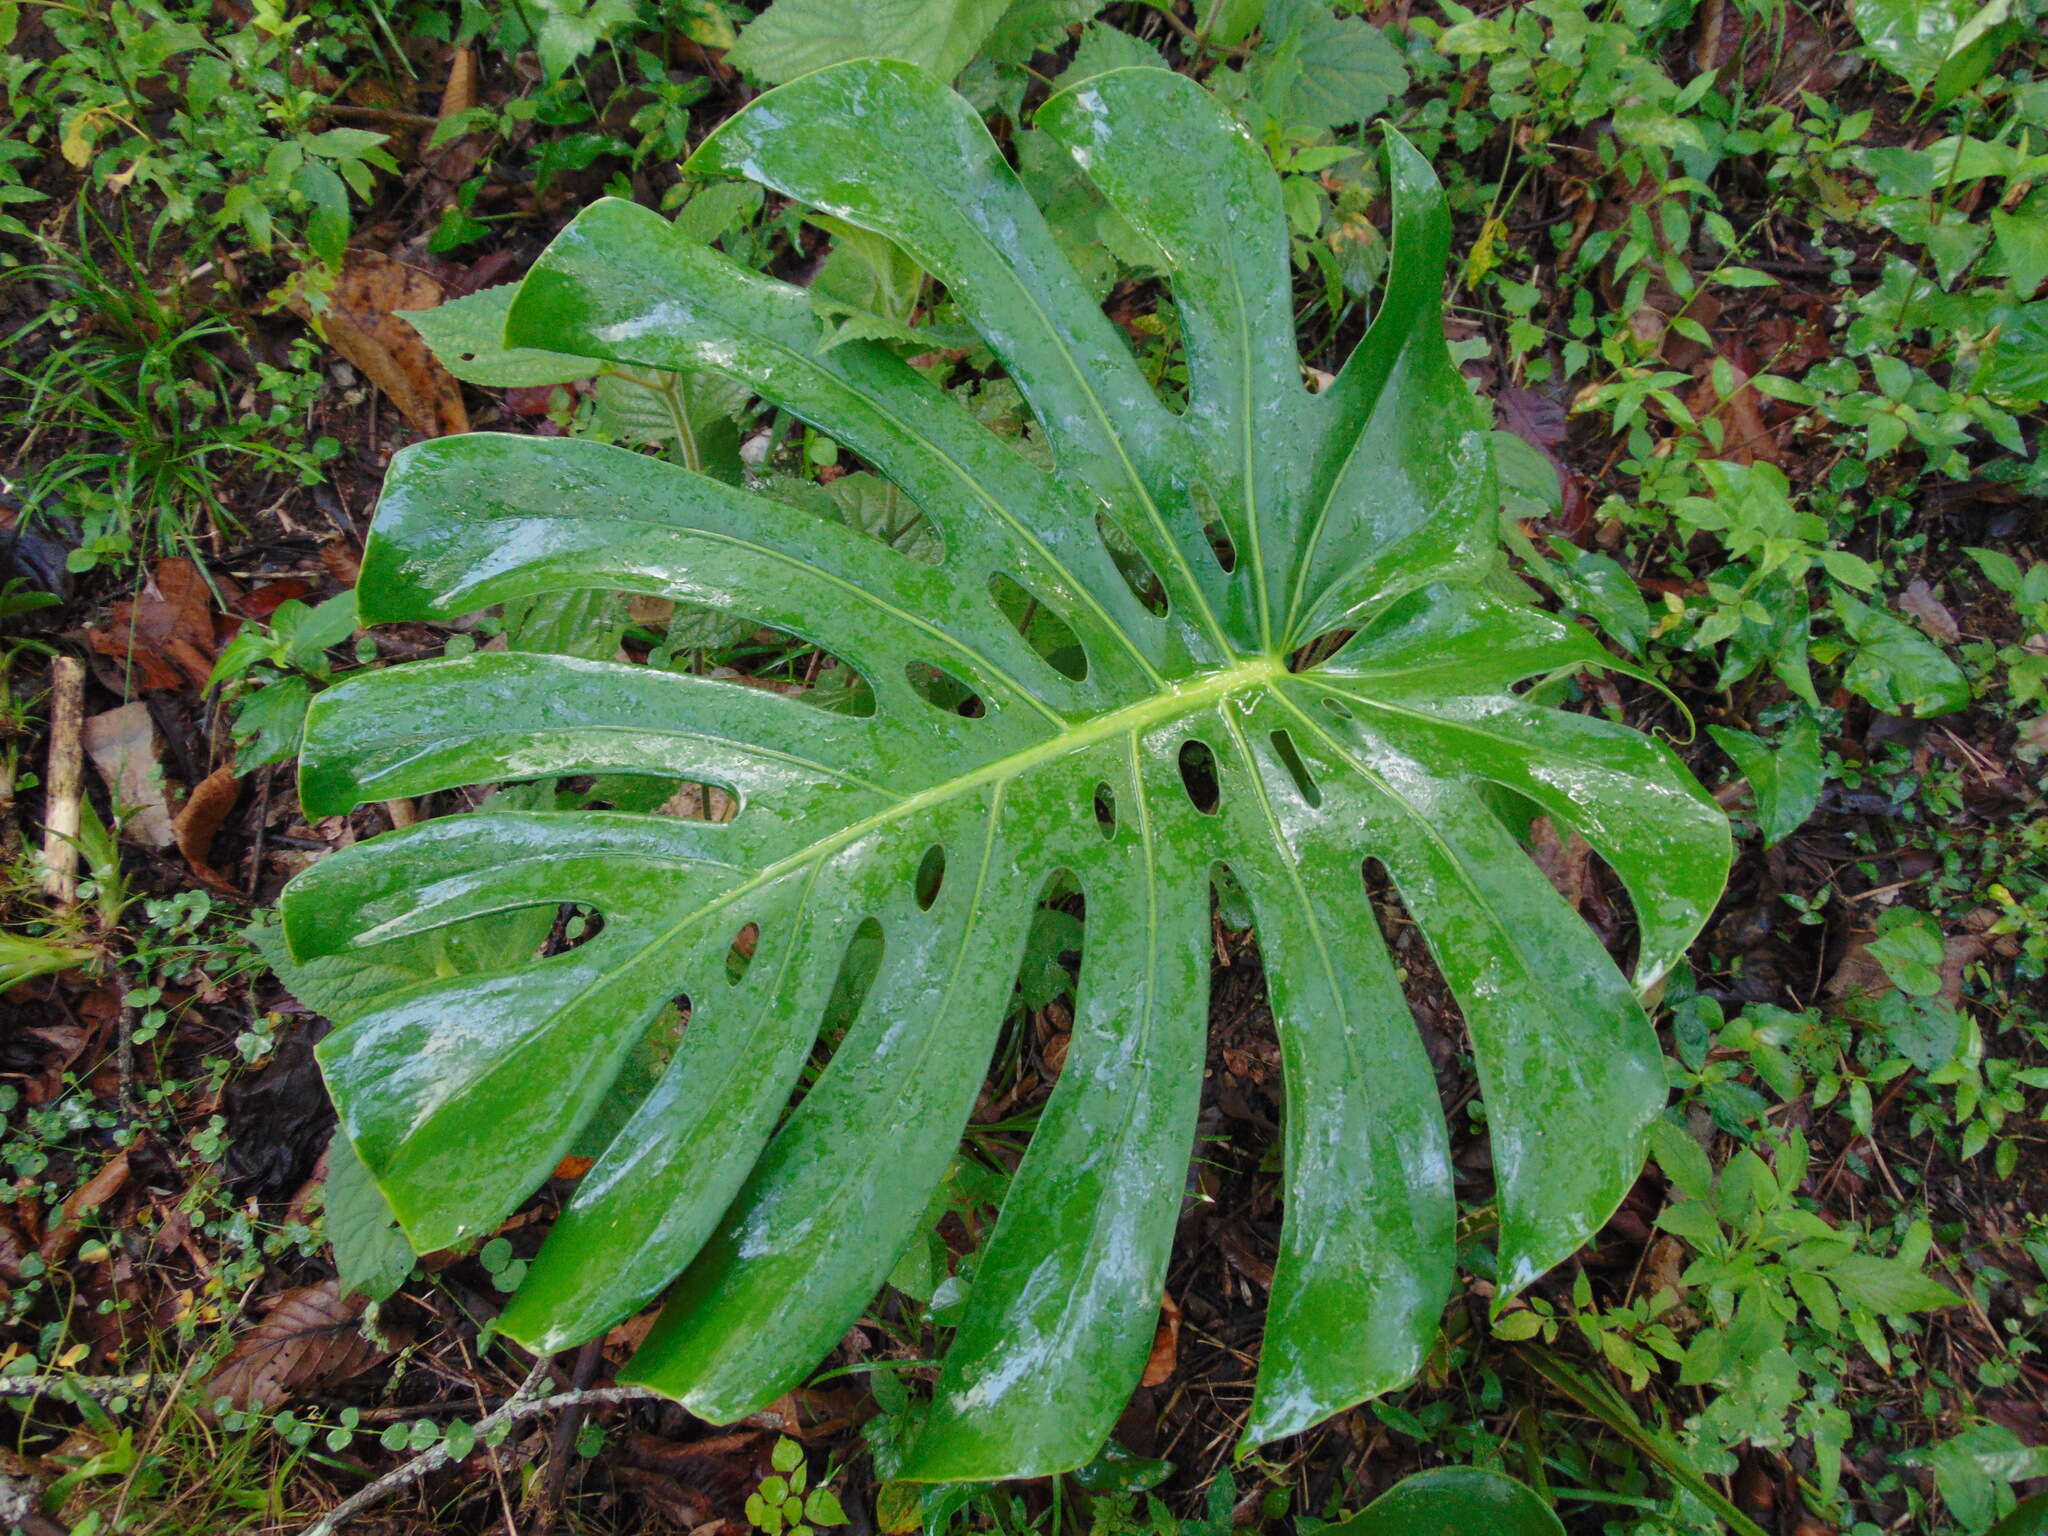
[(1454, 1501), (1367, 508)]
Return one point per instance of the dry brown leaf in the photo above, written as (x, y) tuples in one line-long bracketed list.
[(1929, 612), (343, 561), (268, 598), (1165, 1356), (95, 1192), (459, 94), (13, 1249), (199, 819), (1567, 862), (1958, 953), (167, 631), (123, 747), (455, 161), (1745, 436), (307, 1341), (362, 324), (1858, 974)]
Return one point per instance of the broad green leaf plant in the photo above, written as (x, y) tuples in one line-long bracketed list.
[(1295, 656)]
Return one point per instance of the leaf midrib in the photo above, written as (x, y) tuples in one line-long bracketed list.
[(1133, 719)]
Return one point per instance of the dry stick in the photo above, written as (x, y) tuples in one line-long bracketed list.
[(563, 1441), (124, 1059), (65, 782), (517, 1407), (255, 879), (10, 767), (18, 1511), (98, 1388)]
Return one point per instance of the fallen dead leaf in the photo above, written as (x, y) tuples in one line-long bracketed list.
[(1859, 973), (199, 818), (627, 1336), (1930, 613), (362, 324), (344, 563), (1567, 862), (459, 94), (1165, 1356), (95, 1192), (1958, 953), (1746, 438), (123, 747), (307, 1341), (268, 598), (166, 632), (456, 159), (13, 1249), (1664, 1267), (1536, 419)]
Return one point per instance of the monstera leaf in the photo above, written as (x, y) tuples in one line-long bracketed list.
[(1199, 561)]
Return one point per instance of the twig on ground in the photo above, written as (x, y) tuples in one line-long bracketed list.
[(520, 1406), (18, 1512), (563, 1441), (124, 1058), (98, 1388), (256, 836), (64, 783)]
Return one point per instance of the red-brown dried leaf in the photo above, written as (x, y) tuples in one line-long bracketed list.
[(200, 818), (265, 600), (95, 1192), (167, 630), (310, 1339), (362, 324), (1165, 1356)]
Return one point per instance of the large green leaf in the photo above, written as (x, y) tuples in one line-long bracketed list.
[(793, 36), (1454, 1501), (1269, 518)]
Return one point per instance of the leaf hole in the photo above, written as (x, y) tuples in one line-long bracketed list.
[(1214, 530), (575, 926), (1437, 1016), (1198, 776), (1221, 546), (1315, 652), (931, 874), (1032, 1050), (943, 691), (1105, 811), (740, 957), (1304, 781), (695, 801), (1139, 576), (1051, 967), (859, 965), (1043, 630), (1336, 707), (769, 656)]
